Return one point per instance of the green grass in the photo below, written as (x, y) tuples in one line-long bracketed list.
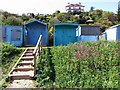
[(79, 65), (10, 55)]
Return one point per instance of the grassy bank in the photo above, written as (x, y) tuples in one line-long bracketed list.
[(80, 65), (10, 55)]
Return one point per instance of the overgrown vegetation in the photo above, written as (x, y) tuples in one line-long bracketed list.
[(10, 54), (45, 70), (99, 17), (102, 18), (80, 65)]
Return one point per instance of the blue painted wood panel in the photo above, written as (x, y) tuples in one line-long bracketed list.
[(65, 33), (14, 35), (34, 30), (89, 38), (118, 34)]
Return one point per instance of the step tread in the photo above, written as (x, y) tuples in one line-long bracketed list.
[(27, 61), (12, 75), (30, 49), (28, 54), (28, 57), (23, 69), (31, 72), (25, 66)]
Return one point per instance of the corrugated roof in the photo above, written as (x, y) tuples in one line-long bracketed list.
[(115, 26)]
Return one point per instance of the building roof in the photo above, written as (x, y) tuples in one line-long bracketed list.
[(76, 5), (36, 21), (118, 25), (67, 23)]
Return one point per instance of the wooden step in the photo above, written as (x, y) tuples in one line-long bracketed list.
[(22, 69), (24, 63), (24, 66), (31, 73), (30, 49), (18, 77), (28, 54), (27, 61), (27, 58)]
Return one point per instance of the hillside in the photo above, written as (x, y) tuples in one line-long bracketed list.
[(102, 18), (79, 65)]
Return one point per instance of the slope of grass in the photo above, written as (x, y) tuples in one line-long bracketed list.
[(10, 55), (80, 65)]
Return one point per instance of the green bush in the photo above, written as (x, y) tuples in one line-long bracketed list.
[(8, 51), (85, 65), (45, 74), (10, 54)]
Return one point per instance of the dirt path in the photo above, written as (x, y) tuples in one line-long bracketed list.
[(21, 84)]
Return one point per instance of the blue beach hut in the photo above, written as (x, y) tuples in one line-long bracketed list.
[(65, 33), (13, 35), (33, 30), (89, 33)]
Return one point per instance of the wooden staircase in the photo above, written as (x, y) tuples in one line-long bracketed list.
[(25, 67)]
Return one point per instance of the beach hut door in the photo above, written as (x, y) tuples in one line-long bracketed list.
[(78, 32)]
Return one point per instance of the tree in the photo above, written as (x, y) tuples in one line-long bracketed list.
[(112, 17), (92, 8), (99, 13), (25, 17), (13, 21), (53, 21), (31, 15)]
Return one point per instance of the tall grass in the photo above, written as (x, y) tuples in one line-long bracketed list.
[(83, 65), (9, 55)]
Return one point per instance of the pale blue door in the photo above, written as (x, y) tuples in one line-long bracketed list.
[(14, 35)]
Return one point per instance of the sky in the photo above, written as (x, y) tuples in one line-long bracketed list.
[(50, 6)]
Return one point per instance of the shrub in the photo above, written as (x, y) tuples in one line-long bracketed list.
[(10, 55), (85, 65), (45, 73), (8, 51)]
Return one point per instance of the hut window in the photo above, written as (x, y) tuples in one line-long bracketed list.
[(15, 35)]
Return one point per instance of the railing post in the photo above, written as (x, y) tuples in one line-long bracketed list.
[(34, 64), (41, 44), (37, 51), (39, 48)]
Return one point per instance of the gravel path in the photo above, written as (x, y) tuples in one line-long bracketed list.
[(21, 84)]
